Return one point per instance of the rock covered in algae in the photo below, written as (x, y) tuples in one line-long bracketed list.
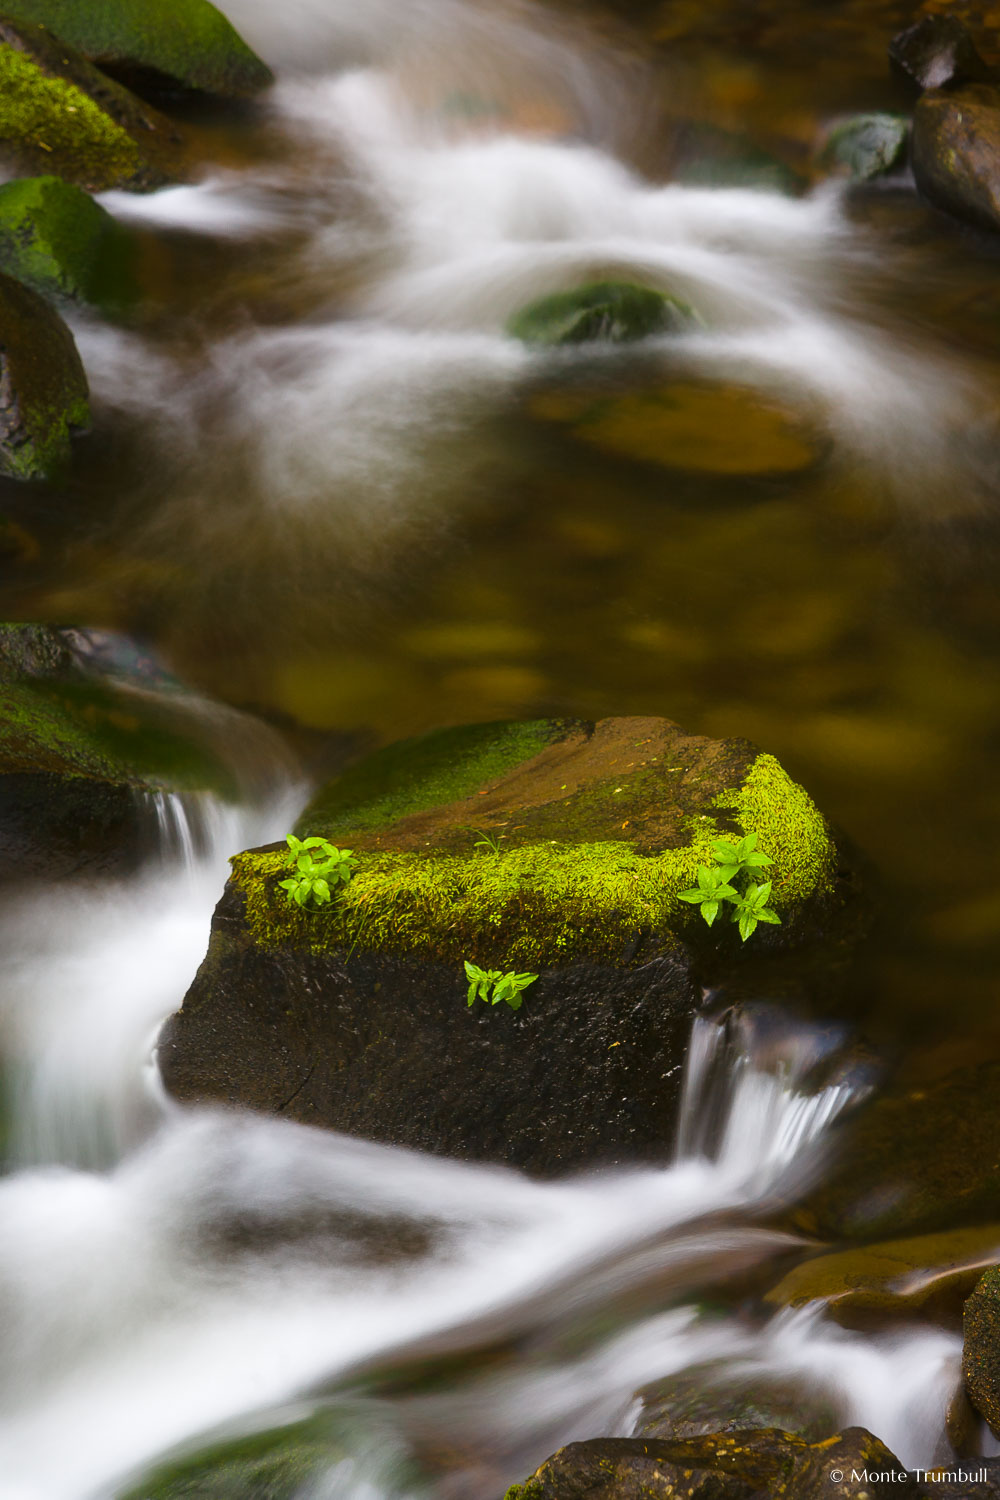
[(610, 312), (712, 1398), (555, 847), (56, 239), (866, 146), (276, 1464), (956, 152), (58, 113), (763, 1464), (186, 43), (76, 757), (43, 389), (981, 1347)]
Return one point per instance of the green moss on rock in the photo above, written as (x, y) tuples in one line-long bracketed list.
[(188, 42), (867, 146), (614, 312), (273, 1465), (60, 114), (598, 828), (56, 239), (981, 1349), (43, 389)]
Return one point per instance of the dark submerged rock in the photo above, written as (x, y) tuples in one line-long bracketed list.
[(185, 43), (354, 1015), (712, 1399), (981, 1348), (43, 388), (272, 1465), (614, 312), (56, 239), (58, 113), (915, 1160), (956, 153)]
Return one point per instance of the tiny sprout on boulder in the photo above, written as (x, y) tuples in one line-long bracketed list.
[(492, 985), (717, 886), (318, 866)]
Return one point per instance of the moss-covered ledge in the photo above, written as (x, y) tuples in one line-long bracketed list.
[(596, 829)]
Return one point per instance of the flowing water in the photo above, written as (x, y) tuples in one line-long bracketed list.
[(330, 489)]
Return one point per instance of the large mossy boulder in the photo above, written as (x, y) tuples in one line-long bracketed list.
[(915, 1160), (609, 312), (43, 388), (79, 758), (981, 1348), (557, 848), (186, 44), (753, 1465), (56, 239), (956, 152), (59, 114)]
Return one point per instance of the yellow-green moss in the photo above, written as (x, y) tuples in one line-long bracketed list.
[(541, 903), (54, 118)]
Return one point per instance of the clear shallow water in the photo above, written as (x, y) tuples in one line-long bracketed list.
[(328, 486)]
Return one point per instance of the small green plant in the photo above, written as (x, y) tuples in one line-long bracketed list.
[(487, 841), (493, 986), (318, 865), (716, 887)]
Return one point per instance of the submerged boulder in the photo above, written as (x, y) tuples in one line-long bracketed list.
[(58, 113), (610, 312), (915, 1160), (185, 43), (78, 761), (43, 388), (956, 152), (714, 1398), (274, 1465), (56, 239), (557, 848)]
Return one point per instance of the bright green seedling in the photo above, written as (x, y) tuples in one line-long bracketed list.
[(716, 886), (493, 986), (318, 866), (487, 841)]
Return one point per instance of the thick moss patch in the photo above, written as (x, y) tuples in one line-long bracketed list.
[(43, 389), (188, 42), (273, 1465), (60, 114), (596, 833), (56, 239)]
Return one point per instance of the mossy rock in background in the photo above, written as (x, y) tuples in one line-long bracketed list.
[(271, 1465), (981, 1348), (354, 1016), (915, 1160), (713, 1398), (78, 758), (184, 43), (58, 113), (56, 239), (43, 389), (938, 52), (610, 312), (866, 146)]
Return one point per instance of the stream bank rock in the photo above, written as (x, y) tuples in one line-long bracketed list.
[(43, 388), (57, 240), (79, 761), (555, 847), (59, 114), (956, 152), (766, 1464), (938, 52), (609, 312), (186, 44), (981, 1348)]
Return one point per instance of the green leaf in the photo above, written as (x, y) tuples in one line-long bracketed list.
[(514, 1001), (321, 890), (748, 924), (472, 970), (765, 914), (695, 897), (710, 910), (726, 853), (757, 861)]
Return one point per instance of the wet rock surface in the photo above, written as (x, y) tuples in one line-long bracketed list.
[(57, 240), (184, 43), (956, 152), (557, 848), (981, 1348), (713, 1399), (866, 146), (753, 1465), (607, 312), (43, 388), (938, 52), (58, 113)]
